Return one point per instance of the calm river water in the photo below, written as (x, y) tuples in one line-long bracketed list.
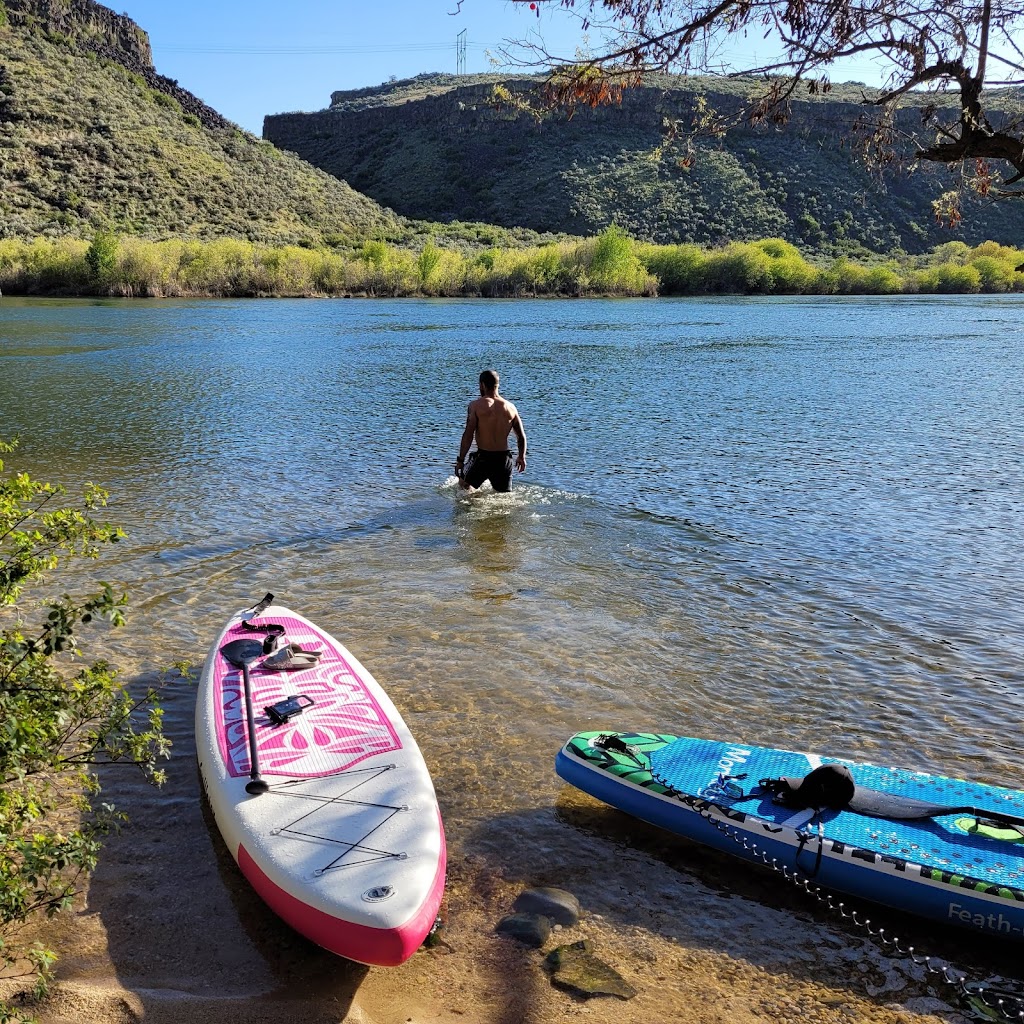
[(794, 522)]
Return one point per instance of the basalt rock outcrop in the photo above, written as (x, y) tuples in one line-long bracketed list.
[(97, 29), (87, 22), (443, 147)]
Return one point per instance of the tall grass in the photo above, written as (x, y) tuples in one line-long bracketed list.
[(609, 264)]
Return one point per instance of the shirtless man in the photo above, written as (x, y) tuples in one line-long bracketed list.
[(491, 419)]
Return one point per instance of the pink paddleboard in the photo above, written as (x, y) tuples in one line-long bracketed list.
[(346, 845)]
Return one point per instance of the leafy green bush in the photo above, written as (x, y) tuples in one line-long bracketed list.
[(614, 266), (847, 278), (995, 276), (61, 717), (375, 253), (162, 99), (41, 265), (678, 268), (948, 278), (883, 280), (101, 257), (790, 272), (429, 258), (997, 267), (146, 269), (612, 254), (739, 267), (957, 253)]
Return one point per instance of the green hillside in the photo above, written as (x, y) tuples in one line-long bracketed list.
[(92, 137), (438, 147), (115, 180)]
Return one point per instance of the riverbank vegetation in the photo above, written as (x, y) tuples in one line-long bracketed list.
[(610, 264), (62, 716)]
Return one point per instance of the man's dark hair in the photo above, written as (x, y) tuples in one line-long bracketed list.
[(489, 380)]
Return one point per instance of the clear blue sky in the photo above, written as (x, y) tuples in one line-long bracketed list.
[(249, 58)]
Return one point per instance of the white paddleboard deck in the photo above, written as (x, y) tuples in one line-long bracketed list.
[(347, 845)]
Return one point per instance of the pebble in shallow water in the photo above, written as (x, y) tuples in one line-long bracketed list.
[(562, 907), (576, 968), (530, 929)]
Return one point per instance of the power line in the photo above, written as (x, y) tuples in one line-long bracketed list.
[(312, 49)]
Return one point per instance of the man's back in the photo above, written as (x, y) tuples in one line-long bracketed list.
[(494, 419), (490, 419)]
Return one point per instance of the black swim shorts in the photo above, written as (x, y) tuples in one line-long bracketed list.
[(493, 466)]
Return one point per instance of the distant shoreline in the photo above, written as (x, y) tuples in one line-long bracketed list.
[(610, 265)]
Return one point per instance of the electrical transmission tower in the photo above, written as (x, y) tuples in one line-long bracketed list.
[(460, 53)]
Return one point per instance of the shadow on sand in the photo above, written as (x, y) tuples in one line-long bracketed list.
[(634, 875), (184, 930)]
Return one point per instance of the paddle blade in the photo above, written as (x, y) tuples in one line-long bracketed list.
[(240, 652)]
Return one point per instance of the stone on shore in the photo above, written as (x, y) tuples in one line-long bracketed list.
[(575, 967), (530, 929), (562, 907)]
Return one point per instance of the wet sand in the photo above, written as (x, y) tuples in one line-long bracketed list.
[(170, 932)]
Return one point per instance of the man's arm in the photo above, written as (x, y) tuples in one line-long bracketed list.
[(517, 426), (467, 438)]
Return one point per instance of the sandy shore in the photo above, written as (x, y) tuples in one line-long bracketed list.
[(475, 976), (169, 932), (694, 956)]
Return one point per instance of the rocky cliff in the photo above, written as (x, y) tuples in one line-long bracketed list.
[(97, 29), (440, 148)]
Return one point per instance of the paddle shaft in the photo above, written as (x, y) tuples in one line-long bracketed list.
[(256, 784)]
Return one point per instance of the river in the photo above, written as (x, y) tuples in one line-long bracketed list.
[(786, 521)]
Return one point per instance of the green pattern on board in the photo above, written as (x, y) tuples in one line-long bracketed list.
[(623, 766), (977, 828), (973, 884)]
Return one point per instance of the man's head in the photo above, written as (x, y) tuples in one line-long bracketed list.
[(489, 382)]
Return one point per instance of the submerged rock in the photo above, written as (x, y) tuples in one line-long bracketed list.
[(561, 906), (575, 967), (531, 929)]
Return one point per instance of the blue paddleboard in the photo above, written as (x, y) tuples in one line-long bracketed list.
[(959, 868)]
